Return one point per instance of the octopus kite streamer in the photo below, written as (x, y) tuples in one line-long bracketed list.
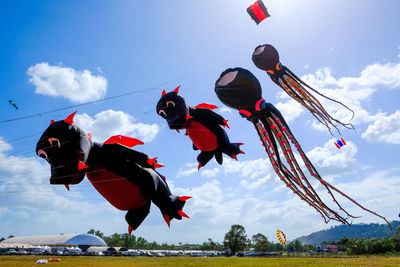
[(239, 89), (266, 58)]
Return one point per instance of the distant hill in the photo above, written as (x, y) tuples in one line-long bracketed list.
[(356, 230)]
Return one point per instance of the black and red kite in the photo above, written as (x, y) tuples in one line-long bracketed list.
[(258, 12), (202, 125)]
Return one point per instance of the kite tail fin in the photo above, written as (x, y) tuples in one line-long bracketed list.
[(232, 150), (204, 157), (135, 217), (174, 209)]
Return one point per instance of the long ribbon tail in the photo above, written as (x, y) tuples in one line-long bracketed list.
[(315, 91), (284, 129), (292, 85), (289, 179)]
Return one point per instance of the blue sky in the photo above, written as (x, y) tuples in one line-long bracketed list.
[(60, 53)]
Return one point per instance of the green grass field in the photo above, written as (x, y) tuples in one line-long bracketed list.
[(190, 261)]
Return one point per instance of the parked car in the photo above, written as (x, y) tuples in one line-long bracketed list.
[(22, 252), (159, 254), (11, 251), (126, 253), (74, 251), (38, 252)]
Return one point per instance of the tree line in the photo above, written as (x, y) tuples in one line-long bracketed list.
[(359, 246), (236, 240), (361, 230)]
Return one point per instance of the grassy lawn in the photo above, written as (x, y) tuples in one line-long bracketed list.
[(190, 261)]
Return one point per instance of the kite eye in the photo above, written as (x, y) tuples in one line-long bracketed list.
[(162, 113), (170, 104), (51, 140), (42, 154)]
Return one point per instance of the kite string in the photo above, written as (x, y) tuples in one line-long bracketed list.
[(210, 66)]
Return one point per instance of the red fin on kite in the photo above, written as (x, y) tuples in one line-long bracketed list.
[(82, 165), (226, 124), (184, 198), (123, 140), (151, 161), (167, 219), (205, 105), (183, 214), (130, 230)]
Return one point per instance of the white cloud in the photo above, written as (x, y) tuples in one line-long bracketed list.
[(4, 146), (377, 74), (225, 110), (290, 109), (329, 160), (192, 168), (250, 169), (259, 183), (3, 211), (210, 173), (110, 122), (385, 129), (58, 81), (205, 195)]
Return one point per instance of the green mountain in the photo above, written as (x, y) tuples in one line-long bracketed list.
[(372, 230)]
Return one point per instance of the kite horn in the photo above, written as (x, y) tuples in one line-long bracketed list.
[(176, 90), (70, 118), (52, 121), (163, 93)]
